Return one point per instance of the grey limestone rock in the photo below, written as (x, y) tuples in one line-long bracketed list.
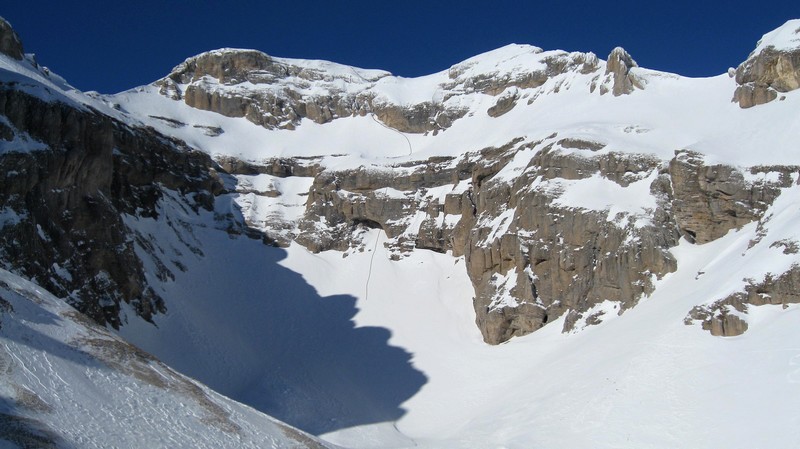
[(766, 74), (619, 65), (71, 194), (721, 318)]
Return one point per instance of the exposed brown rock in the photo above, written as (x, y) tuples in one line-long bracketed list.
[(619, 65), (710, 200), (504, 104), (764, 75), (720, 317)]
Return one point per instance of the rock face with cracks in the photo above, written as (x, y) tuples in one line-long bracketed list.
[(531, 259), (769, 71), (68, 199)]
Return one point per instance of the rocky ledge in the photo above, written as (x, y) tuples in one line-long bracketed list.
[(772, 69)]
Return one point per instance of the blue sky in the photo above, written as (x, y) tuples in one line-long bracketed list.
[(111, 46)]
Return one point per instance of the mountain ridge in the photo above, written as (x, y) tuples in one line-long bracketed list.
[(564, 191)]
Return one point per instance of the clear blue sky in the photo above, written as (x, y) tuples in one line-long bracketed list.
[(112, 45)]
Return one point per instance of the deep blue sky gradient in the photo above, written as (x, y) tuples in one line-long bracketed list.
[(111, 45)]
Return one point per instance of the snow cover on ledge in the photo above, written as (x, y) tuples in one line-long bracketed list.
[(785, 37)]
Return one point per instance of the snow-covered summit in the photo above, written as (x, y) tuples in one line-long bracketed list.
[(225, 63), (784, 38), (772, 69)]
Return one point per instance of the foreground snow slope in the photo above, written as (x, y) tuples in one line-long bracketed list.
[(67, 383)]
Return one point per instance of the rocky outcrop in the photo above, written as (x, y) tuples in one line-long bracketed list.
[(618, 68), (270, 92), (764, 76), (10, 44), (531, 257), (64, 200), (772, 69), (710, 200), (550, 259), (725, 317), (505, 103)]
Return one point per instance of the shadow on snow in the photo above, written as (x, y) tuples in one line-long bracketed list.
[(259, 333)]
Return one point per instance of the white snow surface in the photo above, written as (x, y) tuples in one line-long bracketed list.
[(75, 384), (671, 113), (785, 37)]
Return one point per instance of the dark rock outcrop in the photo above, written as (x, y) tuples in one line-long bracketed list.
[(10, 44), (67, 199)]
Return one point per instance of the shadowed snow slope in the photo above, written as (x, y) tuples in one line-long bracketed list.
[(67, 383), (257, 332)]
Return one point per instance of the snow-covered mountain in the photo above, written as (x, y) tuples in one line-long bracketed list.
[(336, 246)]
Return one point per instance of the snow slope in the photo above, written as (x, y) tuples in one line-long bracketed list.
[(643, 379), (68, 383), (411, 369)]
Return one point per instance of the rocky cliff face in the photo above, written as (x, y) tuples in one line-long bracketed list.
[(772, 69), (531, 257), (10, 44), (70, 174)]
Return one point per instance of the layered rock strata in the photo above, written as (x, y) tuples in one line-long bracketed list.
[(70, 176), (771, 70)]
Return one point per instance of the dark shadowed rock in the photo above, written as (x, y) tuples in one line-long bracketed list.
[(10, 43), (70, 197)]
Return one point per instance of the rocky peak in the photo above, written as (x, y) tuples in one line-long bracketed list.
[(521, 66), (228, 66), (10, 43), (772, 68), (619, 65), (232, 66)]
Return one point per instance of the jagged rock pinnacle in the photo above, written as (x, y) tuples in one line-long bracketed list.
[(619, 65)]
